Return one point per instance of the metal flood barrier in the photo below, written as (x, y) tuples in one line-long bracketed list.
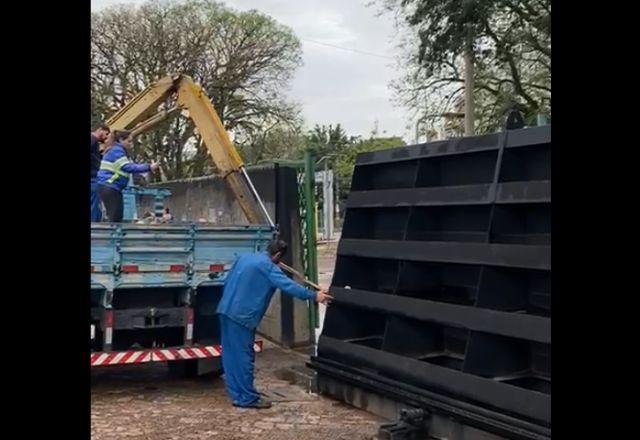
[(442, 282)]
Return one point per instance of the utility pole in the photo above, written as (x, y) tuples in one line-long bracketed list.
[(469, 104), (469, 110)]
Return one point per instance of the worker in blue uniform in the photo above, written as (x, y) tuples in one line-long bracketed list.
[(98, 136), (114, 173), (247, 292)]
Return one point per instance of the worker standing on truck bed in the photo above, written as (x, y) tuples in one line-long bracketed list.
[(98, 136), (247, 293), (113, 176)]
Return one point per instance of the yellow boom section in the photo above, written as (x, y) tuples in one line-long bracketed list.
[(141, 114)]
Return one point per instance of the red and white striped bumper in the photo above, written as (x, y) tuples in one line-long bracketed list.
[(102, 359)]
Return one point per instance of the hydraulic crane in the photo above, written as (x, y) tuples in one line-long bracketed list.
[(177, 94)]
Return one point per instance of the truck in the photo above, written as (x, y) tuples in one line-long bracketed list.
[(155, 287)]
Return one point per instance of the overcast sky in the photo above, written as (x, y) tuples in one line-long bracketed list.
[(336, 85)]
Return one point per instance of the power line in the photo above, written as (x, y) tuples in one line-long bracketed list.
[(347, 49)]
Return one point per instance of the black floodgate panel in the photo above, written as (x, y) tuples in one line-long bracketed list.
[(442, 281)]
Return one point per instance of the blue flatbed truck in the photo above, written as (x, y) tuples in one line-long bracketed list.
[(155, 287)]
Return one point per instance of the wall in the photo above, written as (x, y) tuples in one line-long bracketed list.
[(210, 198)]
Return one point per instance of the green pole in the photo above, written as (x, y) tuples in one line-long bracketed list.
[(310, 198)]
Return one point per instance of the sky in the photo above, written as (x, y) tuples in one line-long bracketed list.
[(336, 85)]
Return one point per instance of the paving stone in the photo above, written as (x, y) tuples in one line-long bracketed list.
[(143, 402)]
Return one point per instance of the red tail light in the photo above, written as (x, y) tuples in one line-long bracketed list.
[(130, 268), (176, 268), (216, 267), (108, 318)]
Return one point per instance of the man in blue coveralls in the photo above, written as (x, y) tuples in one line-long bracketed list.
[(247, 292)]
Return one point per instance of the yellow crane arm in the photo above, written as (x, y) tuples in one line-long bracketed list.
[(179, 93)]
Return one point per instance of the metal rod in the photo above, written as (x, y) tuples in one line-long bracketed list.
[(257, 196), (294, 272)]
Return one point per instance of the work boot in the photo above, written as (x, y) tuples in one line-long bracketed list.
[(257, 404)]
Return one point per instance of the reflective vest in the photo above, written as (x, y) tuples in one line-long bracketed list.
[(115, 168)]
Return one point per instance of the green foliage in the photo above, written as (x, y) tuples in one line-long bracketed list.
[(340, 150), (509, 40), (328, 140)]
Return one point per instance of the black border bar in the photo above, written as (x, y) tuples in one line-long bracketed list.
[(515, 325), (504, 255)]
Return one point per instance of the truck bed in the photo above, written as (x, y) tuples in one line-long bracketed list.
[(140, 256), (155, 289)]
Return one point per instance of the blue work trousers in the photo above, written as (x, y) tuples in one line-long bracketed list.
[(238, 361), (96, 212)]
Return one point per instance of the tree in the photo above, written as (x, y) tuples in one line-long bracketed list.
[(510, 42), (328, 140), (342, 149), (243, 60), (278, 141)]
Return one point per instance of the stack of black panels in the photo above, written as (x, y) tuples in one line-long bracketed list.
[(442, 281)]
